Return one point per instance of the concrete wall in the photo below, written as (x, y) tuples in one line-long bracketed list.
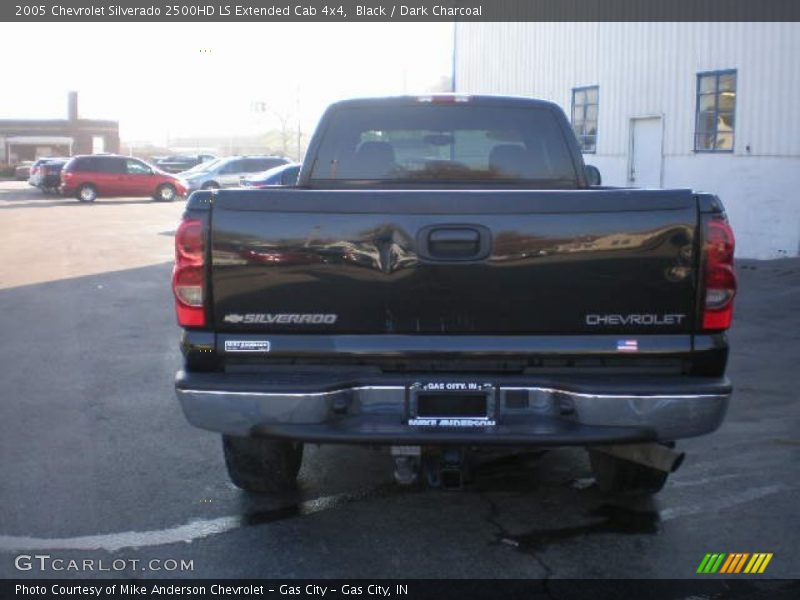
[(650, 69)]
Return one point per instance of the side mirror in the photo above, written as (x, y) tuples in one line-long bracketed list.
[(593, 175)]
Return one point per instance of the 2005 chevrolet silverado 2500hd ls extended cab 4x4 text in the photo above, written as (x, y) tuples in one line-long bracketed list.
[(446, 276)]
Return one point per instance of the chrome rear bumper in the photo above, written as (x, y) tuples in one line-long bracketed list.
[(523, 412)]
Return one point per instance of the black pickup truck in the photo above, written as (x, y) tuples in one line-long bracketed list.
[(448, 276)]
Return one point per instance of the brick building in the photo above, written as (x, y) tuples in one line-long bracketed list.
[(29, 139)]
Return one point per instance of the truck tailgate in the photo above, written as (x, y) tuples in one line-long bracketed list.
[(454, 261)]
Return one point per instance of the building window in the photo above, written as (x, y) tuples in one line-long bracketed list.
[(584, 117), (716, 111)]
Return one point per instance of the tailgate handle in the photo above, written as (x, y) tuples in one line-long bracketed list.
[(455, 243)]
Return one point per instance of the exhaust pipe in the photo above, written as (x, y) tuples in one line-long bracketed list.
[(655, 456), (406, 464), (406, 470)]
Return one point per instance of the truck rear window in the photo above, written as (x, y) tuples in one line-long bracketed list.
[(456, 143)]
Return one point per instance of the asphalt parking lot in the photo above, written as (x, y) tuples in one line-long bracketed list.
[(98, 462)]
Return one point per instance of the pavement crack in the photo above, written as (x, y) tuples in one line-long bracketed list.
[(503, 536)]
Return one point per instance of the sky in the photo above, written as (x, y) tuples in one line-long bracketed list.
[(166, 80)]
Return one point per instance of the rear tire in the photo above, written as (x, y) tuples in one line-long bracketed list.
[(262, 464), (86, 193), (616, 475), (210, 185), (165, 193)]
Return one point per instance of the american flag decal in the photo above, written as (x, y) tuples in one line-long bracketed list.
[(627, 346)]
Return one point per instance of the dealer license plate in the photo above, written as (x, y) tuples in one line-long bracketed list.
[(451, 404)]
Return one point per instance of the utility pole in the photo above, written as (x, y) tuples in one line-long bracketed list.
[(299, 132)]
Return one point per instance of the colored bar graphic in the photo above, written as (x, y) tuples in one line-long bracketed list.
[(734, 563), (765, 563), (711, 563), (730, 565), (717, 564), (727, 564), (703, 563), (755, 562), (740, 564)]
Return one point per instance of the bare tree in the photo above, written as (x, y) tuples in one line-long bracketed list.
[(287, 121)]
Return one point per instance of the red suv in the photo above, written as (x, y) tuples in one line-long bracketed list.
[(90, 176)]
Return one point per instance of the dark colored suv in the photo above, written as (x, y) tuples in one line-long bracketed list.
[(45, 173), (48, 178), (89, 176)]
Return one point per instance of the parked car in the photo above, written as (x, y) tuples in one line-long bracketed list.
[(448, 274), (283, 175), (36, 175), (89, 176), (228, 172), (48, 175), (23, 170), (33, 172), (183, 162)]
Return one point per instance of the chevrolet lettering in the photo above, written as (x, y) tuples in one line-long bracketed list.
[(643, 319)]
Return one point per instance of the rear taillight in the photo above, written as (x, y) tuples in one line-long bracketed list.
[(188, 276), (719, 278)]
